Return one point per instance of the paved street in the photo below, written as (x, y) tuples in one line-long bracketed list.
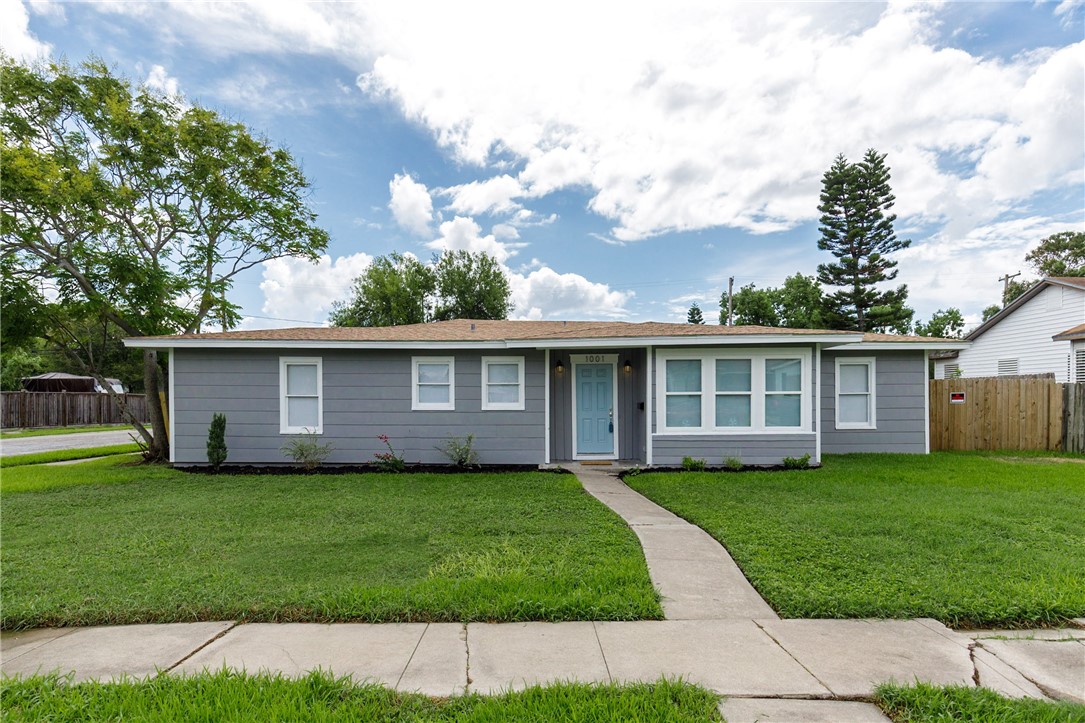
[(53, 442)]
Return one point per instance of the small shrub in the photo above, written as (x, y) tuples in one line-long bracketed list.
[(460, 452), (389, 461), (216, 442), (307, 451), (797, 462), (732, 463), (690, 464), (633, 471)]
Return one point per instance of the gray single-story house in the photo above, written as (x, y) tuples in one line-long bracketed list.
[(539, 392)]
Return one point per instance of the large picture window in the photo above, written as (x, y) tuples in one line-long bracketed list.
[(733, 392), (855, 401), (502, 382), (301, 396), (433, 383)]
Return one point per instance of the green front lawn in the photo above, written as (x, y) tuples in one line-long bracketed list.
[(63, 455), (50, 431), (114, 542), (236, 696), (970, 540), (923, 703)]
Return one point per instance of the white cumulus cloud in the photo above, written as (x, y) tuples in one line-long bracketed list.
[(493, 195), (411, 204), (296, 289), (462, 233), (15, 36), (546, 294)]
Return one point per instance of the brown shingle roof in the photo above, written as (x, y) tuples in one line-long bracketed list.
[(467, 330), (1078, 281), (1077, 332)]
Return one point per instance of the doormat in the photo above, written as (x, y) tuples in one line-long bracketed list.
[(600, 463)]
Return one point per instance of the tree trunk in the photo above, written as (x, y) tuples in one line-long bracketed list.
[(159, 450)]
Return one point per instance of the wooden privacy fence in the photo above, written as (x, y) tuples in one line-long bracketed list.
[(1023, 412), (64, 409)]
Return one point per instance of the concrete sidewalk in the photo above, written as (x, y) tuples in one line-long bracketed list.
[(693, 572), (806, 659), (55, 442)]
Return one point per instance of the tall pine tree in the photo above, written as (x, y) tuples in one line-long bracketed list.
[(694, 316), (857, 228)]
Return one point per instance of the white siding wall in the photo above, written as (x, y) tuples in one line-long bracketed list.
[(1025, 335)]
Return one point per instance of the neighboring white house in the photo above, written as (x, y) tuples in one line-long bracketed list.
[(1020, 338), (1076, 337)]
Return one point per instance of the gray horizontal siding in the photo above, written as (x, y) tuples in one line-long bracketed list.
[(366, 394), (759, 449), (900, 385)]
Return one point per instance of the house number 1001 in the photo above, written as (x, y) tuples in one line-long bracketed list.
[(594, 358)]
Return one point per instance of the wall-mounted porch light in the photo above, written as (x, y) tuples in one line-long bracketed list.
[(559, 367), (628, 368)]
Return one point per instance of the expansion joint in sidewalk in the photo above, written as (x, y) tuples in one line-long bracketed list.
[(602, 654), (792, 656), (233, 624)]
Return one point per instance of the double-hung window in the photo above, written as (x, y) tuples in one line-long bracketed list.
[(855, 401), (734, 392), (755, 391), (433, 383), (301, 395), (683, 403), (502, 382)]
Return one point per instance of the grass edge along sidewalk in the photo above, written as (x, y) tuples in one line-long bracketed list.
[(970, 540), (65, 455), (97, 548)]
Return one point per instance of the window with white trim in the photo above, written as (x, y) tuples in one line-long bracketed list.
[(733, 392), (856, 406), (683, 403), (502, 382), (301, 395), (433, 383)]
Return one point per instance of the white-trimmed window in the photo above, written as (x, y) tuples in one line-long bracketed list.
[(856, 403), (502, 382), (733, 391), (301, 395), (683, 392), (433, 382)]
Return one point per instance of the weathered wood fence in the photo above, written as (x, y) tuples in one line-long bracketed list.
[(1022, 412), (65, 409)]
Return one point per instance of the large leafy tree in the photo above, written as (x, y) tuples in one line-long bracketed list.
[(751, 306), (470, 286), (857, 228), (139, 208), (798, 304), (947, 323), (1060, 254), (393, 290), (399, 289)]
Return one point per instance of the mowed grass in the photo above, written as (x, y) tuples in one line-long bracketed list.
[(51, 431), (65, 455), (228, 696), (924, 703), (142, 543), (970, 540)]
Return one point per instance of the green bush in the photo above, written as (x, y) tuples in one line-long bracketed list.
[(732, 463), (802, 462), (460, 452), (690, 464), (307, 451), (216, 441)]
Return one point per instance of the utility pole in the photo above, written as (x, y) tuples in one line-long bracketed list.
[(1006, 284), (730, 304)]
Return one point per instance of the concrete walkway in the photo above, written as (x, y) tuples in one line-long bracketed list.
[(695, 574), (759, 661), (54, 442)]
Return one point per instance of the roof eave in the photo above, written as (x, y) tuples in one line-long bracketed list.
[(908, 345)]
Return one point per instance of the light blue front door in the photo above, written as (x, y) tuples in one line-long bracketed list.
[(595, 409)]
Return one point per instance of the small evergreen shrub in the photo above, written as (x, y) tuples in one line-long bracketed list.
[(307, 451), (732, 463), (689, 464), (460, 452), (216, 442), (390, 461), (802, 462)]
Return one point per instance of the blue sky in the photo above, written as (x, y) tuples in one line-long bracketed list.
[(623, 166)]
